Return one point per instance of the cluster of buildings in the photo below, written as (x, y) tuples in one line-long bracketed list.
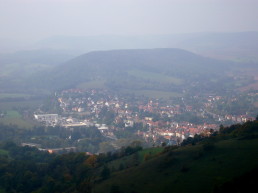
[(47, 119), (239, 118), (151, 120)]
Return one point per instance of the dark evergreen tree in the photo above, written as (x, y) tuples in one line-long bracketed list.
[(105, 173)]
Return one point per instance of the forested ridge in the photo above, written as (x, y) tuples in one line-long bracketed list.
[(199, 164)]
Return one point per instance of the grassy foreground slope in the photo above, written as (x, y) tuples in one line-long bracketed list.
[(204, 167), (225, 162)]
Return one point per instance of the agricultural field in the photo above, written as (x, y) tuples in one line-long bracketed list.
[(13, 113), (156, 77), (5, 106), (153, 93), (13, 95), (15, 118), (253, 86), (97, 84)]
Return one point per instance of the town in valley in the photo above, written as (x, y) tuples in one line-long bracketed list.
[(153, 121)]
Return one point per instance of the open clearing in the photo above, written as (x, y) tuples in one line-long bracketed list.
[(15, 118), (13, 95), (13, 115), (253, 86), (96, 84), (156, 77), (154, 93), (3, 152), (5, 106)]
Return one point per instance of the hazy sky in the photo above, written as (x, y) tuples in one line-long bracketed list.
[(37, 19)]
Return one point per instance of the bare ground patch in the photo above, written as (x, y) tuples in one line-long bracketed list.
[(253, 86)]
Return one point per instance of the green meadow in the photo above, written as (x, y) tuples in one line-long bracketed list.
[(153, 93), (13, 95), (13, 117), (96, 84), (12, 113), (7, 106), (186, 169), (158, 77)]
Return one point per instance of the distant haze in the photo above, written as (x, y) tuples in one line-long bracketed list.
[(32, 20)]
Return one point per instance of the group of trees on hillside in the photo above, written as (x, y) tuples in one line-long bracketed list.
[(26, 169), (85, 138)]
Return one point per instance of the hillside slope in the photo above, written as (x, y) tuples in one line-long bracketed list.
[(237, 46), (150, 69), (225, 162), (214, 165)]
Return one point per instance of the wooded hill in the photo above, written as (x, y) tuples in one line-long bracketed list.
[(238, 46), (224, 162), (141, 71), (147, 69)]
